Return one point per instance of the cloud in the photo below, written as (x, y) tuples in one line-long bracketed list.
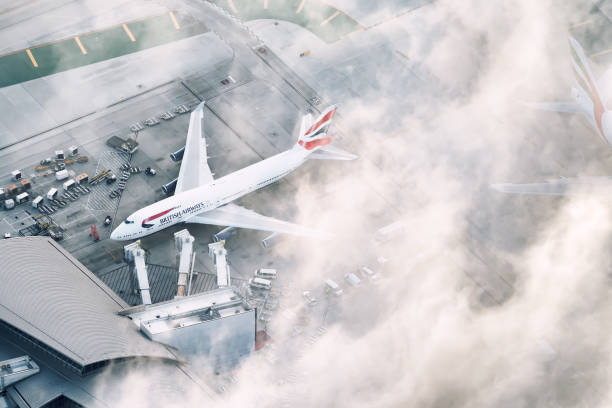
[(487, 300), (424, 337)]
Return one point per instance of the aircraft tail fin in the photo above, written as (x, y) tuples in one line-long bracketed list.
[(314, 135), (586, 80), (583, 72)]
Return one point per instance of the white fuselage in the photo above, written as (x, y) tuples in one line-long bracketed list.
[(182, 206)]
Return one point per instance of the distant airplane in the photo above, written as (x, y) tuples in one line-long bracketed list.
[(201, 199), (587, 102)]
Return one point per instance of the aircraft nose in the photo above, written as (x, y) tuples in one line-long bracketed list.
[(115, 234)]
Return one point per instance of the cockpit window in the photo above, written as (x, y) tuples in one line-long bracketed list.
[(128, 221)]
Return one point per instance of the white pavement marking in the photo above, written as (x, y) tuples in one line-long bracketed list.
[(300, 7), (231, 4), (80, 44), (98, 198), (174, 21), (330, 18), (10, 226), (128, 32), (32, 58)]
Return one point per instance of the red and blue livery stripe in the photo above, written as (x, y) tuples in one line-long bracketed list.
[(146, 221)]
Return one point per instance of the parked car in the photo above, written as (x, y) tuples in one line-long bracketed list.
[(311, 300), (368, 274), (56, 234), (260, 283), (332, 286), (265, 273), (352, 279)]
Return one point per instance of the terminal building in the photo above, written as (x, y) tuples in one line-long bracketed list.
[(76, 334), (218, 324)]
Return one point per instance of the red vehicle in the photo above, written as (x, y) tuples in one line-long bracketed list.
[(261, 339), (94, 233)]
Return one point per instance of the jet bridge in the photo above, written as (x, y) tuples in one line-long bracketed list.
[(15, 370), (186, 256), (218, 253), (134, 253)]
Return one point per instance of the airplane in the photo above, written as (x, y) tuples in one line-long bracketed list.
[(202, 199), (587, 96), (587, 102)]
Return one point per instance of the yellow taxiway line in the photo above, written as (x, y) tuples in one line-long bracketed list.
[(351, 33), (176, 24), (300, 7), (128, 32), (581, 24), (80, 44), (604, 52), (8, 10), (330, 18), (231, 4), (32, 57)]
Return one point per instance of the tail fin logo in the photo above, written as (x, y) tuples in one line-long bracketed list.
[(316, 135), (322, 122)]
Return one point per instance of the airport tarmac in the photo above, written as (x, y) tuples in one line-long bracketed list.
[(252, 117), (256, 83)]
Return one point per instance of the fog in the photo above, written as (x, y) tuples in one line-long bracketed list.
[(487, 299)]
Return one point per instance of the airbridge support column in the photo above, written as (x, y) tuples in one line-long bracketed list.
[(218, 254), (186, 256), (134, 253)]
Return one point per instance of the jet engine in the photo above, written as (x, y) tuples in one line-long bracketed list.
[(169, 188), (178, 155)]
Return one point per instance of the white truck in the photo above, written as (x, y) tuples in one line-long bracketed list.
[(22, 198), (352, 279), (369, 274), (69, 184), (333, 287), (389, 232), (311, 300), (52, 194), (265, 273), (260, 283), (61, 175), (37, 201)]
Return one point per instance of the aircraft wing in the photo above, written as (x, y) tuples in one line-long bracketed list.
[(560, 187), (194, 167), (233, 215), (565, 107)]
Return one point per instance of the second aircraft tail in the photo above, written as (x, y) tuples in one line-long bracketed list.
[(314, 138)]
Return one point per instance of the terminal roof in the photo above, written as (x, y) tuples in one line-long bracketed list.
[(50, 297)]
